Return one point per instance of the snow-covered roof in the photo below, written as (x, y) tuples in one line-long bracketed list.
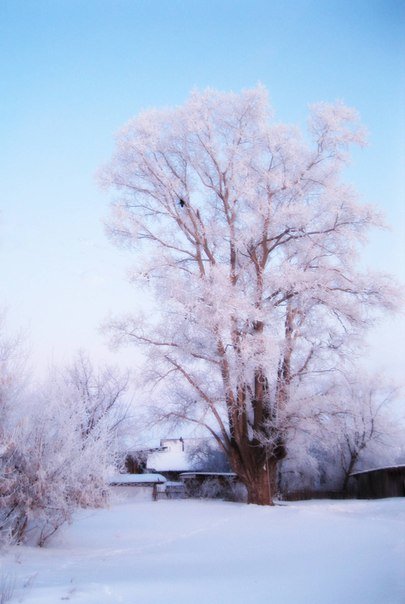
[(397, 467), (171, 457), (137, 479), (225, 474)]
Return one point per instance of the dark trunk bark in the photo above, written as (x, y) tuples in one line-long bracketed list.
[(257, 470), (261, 489), (255, 445), (348, 471)]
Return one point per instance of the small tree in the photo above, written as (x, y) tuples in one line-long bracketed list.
[(248, 239), (365, 432), (13, 374), (99, 395), (206, 456), (356, 429)]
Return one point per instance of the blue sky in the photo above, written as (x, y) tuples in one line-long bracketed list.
[(73, 72)]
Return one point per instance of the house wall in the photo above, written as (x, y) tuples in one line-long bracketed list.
[(140, 493)]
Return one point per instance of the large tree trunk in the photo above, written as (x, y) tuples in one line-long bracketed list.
[(257, 471), (261, 488), (254, 458)]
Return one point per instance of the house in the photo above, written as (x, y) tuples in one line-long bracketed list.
[(171, 458), (378, 482), (191, 466), (176, 455)]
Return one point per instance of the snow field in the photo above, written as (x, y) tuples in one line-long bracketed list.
[(177, 552)]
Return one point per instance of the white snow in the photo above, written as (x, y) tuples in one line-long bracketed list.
[(177, 552)]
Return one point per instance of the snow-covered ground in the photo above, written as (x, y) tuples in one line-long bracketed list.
[(182, 552)]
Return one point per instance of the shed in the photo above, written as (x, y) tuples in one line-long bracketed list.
[(141, 486), (379, 482)]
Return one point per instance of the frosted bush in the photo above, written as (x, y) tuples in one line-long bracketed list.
[(56, 457)]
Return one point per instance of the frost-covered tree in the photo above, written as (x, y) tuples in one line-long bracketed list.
[(206, 456), (248, 238), (363, 431), (13, 374), (99, 395), (359, 428), (57, 451)]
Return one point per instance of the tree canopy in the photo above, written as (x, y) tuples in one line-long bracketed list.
[(249, 238)]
